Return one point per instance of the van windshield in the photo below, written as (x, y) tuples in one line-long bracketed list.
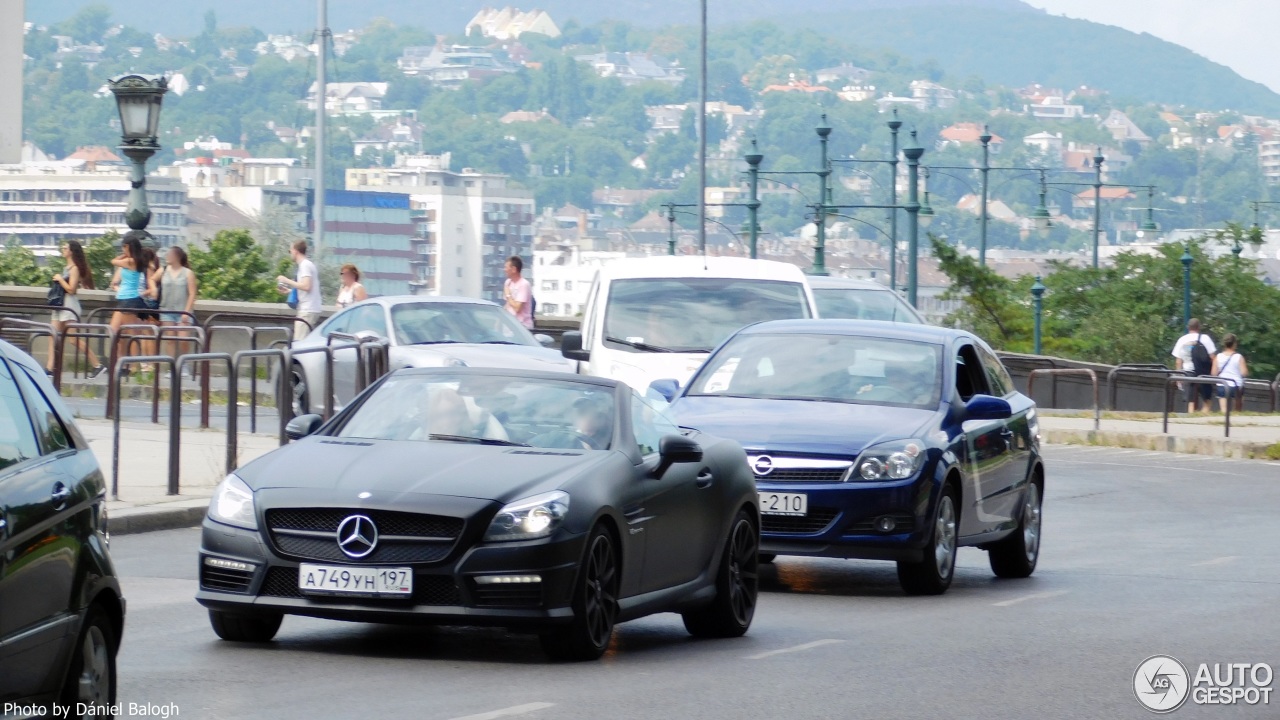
[(693, 314)]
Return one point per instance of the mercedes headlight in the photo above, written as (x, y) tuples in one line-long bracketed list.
[(530, 518), (897, 460), (232, 504)]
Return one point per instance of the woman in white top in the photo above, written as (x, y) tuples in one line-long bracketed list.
[(1230, 364), (351, 291), (75, 275)]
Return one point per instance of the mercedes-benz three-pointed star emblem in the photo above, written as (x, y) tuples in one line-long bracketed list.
[(357, 536)]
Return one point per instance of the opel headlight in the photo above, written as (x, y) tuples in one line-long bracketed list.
[(530, 518), (232, 504), (897, 460)]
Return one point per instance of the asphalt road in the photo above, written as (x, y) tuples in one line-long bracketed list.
[(1144, 554)]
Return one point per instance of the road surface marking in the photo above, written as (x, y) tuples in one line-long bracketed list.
[(1033, 596), (797, 648), (1216, 561), (512, 711), (1149, 467)]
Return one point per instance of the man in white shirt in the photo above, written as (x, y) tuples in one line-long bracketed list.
[(1197, 395), (517, 293), (308, 286)]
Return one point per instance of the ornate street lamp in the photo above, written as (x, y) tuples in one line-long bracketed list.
[(925, 214), (138, 99), (1040, 215)]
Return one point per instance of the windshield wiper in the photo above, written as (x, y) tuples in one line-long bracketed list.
[(639, 345), (476, 440), (498, 342)]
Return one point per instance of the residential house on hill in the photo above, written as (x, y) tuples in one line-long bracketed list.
[(510, 23), (796, 85), (1048, 144), (634, 67), (842, 74), (399, 135), (1123, 129), (1054, 107), (933, 94), (527, 116), (890, 101), (967, 134), (857, 93), (451, 67), (350, 98)]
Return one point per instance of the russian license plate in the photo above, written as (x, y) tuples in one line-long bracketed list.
[(772, 503), (347, 580)]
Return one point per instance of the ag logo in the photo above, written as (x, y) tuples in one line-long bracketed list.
[(1161, 684)]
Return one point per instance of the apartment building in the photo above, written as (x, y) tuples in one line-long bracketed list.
[(465, 223)]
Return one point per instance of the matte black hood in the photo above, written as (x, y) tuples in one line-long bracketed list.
[(420, 467)]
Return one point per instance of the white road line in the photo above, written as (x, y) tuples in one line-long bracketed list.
[(1032, 596), (797, 648), (1147, 467), (1216, 561), (512, 711)]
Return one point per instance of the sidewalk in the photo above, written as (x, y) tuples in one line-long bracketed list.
[(144, 504), (1252, 436)]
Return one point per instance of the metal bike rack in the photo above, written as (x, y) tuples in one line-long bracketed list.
[(72, 330), (1086, 372), (175, 421), (327, 350), (281, 380), (160, 337), (1200, 380), (150, 332), (33, 329), (1134, 369), (209, 333), (232, 394)]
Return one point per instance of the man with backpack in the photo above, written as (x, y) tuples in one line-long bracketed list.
[(1195, 351)]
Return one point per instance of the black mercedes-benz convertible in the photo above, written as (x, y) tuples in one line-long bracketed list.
[(551, 503)]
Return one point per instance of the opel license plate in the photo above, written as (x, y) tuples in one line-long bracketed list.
[(773, 503), (347, 580)]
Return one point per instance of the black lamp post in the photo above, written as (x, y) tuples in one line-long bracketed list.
[(753, 205), (1037, 299), (138, 99), (913, 155), (1186, 284), (824, 171), (671, 229)]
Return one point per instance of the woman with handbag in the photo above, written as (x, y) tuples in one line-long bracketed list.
[(65, 289), (1230, 364)]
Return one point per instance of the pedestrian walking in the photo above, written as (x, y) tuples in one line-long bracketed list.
[(1195, 351), (131, 280), (351, 291), (1231, 365), (178, 288), (75, 275), (517, 293), (307, 285)]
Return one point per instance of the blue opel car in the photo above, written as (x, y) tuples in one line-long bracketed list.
[(877, 440)]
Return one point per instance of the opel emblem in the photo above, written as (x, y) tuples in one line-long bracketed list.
[(357, 536), (762, 465)]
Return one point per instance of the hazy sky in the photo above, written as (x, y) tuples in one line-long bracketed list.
[(1237, 33)]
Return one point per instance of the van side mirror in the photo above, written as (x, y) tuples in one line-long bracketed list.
[(668, 388), (985, 407), (302, 426), (571, 346), (674, 449)]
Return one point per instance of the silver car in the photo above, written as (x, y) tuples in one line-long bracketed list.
[(422, 331), (849, 299)]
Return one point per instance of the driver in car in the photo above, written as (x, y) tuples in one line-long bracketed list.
[(448, 413), (592, 421)]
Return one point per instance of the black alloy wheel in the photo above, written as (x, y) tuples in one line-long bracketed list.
[(595, 605), (90, 686), (737, 586)]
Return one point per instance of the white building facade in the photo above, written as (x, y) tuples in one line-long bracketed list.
[(467, 224), (562, 277)]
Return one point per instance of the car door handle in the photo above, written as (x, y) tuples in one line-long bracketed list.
[(705, 478), (61, 494)]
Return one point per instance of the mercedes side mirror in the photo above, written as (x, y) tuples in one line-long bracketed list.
[(302, 426), (667, 388), (544, 340), (673, 449), (571, 346), (985, 407)]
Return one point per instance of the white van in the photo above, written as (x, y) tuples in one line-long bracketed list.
[(655, 318)]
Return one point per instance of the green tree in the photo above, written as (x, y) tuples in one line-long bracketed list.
[(989, 304), (233, 268), (18, 266)]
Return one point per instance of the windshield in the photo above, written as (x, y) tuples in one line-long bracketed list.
[(444, 322), (486, 409), (837, 368), (862, 304), (694, 314)]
